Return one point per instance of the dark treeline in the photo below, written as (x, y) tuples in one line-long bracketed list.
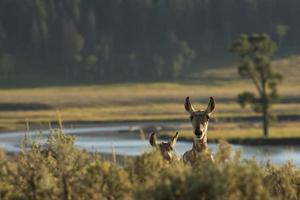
[(132, 40)]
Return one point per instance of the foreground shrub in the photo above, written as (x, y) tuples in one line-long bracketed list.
[(31, 176), (104, 180), (147, 167), (6, 189), (284, 181), (227, 178), (58, 170)]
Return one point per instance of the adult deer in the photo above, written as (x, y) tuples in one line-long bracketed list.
[(199, 119), (166, 148)]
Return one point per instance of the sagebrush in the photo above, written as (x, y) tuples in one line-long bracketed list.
[(58, 170)]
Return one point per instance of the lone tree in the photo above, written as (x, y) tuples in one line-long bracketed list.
[(255, 52)]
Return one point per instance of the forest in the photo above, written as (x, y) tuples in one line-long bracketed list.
[(132, 40), (83, 83)]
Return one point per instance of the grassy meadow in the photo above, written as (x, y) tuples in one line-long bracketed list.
[(151, 101), (243, 130)]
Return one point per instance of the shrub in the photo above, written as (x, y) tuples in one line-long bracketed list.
[(283, 181), (58, 170), (6, 189), (104, 180)]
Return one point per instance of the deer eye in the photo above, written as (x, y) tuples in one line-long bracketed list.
[(207, 117), (191, 117)]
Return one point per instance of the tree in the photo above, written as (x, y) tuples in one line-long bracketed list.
[(181, 55), (255, 52), (159, 63), (103, 52), (134, 64), (40, 32), (281, 31), (7, 66)]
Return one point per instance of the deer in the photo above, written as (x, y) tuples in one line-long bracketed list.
[(166, 148), (199, 120)]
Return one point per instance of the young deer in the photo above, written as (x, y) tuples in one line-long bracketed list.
[(199, 119), (166, 148)]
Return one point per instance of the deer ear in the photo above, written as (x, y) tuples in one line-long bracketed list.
[(153, 140), (188, 106), (211, 106), (174, 140)]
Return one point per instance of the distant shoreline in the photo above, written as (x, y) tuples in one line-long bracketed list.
[(280, 118), (149, 126), (80, 123), (292, 141), (264, 141)]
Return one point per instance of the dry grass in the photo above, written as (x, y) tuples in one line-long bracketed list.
[(163, 111), (245, 130), (155, 101)]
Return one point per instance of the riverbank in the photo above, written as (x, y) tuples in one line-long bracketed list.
[(264, 141), (247, 133), (295, 141), (134, 102)]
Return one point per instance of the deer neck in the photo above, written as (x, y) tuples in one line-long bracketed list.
[(200, 145)]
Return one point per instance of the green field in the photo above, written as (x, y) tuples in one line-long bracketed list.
[(145, 101)]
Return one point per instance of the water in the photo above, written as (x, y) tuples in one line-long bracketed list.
[(98, 141), (277, 154)]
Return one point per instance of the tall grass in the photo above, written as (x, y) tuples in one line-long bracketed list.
[(229, 130), (144, 101), (58, 170)]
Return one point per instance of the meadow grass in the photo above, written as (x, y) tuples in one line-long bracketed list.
[(118, 113), (146, 101), (243, 130)]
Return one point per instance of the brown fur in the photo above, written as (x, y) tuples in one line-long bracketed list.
[(199, 119), (166, 148), (199, 147)]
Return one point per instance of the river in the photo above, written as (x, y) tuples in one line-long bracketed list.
[(105, 139)]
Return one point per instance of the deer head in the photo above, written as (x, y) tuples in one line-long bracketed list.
[(200, 118), (166, 148)]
